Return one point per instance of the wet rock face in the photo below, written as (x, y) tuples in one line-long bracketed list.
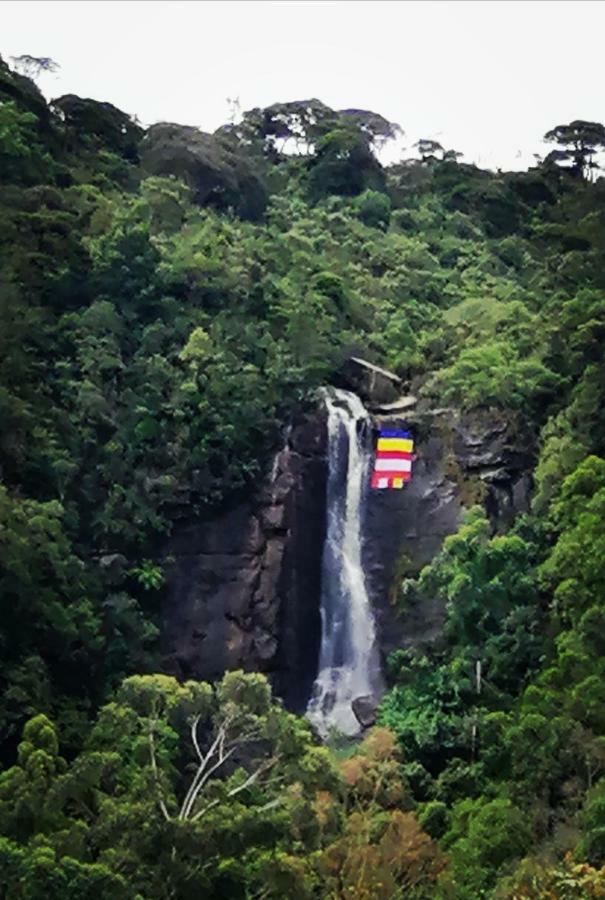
[(460, 461), (243, 591), (488, 450), (408, 527), (365, 709)]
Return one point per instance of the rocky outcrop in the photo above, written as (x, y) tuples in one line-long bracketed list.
[(217, 172), (103, 124), (365, 709), (461, 460), (25, 93), (243, 589), (374, 385), (499, 459)]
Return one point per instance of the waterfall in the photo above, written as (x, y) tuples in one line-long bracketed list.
[(348, 664)]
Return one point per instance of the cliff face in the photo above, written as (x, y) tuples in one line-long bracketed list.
[(244, 589), (461, 461)]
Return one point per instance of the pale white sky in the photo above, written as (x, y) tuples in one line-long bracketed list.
[(485, 77)]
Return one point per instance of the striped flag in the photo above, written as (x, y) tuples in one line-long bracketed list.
[(393, 461)]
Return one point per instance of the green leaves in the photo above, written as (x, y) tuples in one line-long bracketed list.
[(494, 376), (425, 709), (180, 787), (484, 836), (374, 209), (574, 569), (22, 156), (42, 579), (150, 576), (343, 163), (39, 873), (151, 344)]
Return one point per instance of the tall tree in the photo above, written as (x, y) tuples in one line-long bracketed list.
[(580, 141)]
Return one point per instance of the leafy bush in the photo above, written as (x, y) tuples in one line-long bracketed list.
[(374, 209)]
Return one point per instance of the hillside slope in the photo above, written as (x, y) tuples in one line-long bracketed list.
[(168, 301)]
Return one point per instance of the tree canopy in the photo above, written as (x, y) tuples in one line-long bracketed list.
[(169, 301)]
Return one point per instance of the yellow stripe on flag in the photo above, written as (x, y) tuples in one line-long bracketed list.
[(403, 444)]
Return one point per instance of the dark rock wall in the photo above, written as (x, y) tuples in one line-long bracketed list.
[(299, 588), (403, 530), (243, 590), (460, 461)]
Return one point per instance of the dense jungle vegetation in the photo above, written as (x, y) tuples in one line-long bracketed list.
[(167, 299)]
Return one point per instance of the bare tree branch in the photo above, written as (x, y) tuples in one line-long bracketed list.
[(200, 770), (156, 775), (252, 778), (204, 778), (194, 725), (222, 748)]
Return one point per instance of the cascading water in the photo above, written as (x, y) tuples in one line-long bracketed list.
[(348, 664)]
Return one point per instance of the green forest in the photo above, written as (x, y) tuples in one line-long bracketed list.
[(168, 299)]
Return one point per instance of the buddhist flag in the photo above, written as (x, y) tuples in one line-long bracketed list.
[(393, 461)]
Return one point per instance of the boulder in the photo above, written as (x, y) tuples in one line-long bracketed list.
[(374, 385), (365, 709), (109, 127), (113, 566), (401, 405), (218, 174)]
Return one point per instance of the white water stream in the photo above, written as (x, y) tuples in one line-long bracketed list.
[(348, 664)]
